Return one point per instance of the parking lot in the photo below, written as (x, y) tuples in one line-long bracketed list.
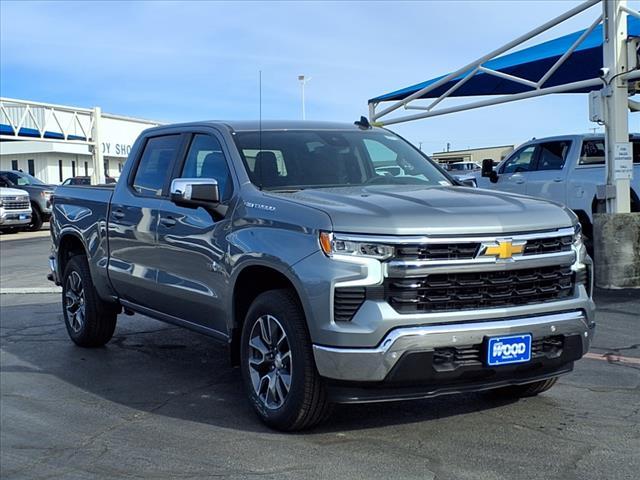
[(162, 402)]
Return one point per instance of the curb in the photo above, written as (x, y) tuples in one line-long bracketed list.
[(30, 290)]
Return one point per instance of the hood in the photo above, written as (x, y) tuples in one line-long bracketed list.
[(416, 210), (12, 192)]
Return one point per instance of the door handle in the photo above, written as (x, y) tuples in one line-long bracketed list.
[(557, 179), (519, 180), (168, 221), (117, 214)]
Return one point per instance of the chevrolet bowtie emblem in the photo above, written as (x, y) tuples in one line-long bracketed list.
[(504, 250)]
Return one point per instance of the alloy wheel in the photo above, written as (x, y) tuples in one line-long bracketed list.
[(74, 301), (270, 365)]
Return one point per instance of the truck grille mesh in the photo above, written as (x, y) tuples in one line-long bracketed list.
[(16, 205), (548, 245), (475, 290)]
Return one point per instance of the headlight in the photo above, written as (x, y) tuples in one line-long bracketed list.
[(577, 234), (335, 245)]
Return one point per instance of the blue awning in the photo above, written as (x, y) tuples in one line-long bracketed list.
[(33, 133), (531, 64)]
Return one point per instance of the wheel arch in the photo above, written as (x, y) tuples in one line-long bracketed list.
[(252, 280), (69, 244)]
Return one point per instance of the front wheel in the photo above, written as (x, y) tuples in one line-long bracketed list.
[(90, 321), (278, 369), (36, 219), (526, 390)]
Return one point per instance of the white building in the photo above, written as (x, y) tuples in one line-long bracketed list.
[(55, 142)]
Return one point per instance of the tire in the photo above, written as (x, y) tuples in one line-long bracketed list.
[(276, 347), (36, 219), (526, 390), (90, 321)]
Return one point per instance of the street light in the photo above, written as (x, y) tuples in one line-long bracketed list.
[(303, 80)]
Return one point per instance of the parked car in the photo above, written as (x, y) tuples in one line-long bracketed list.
[(39, 194), (15, 208), (566, 169), (85, 180), (462, 167), (331, 281)]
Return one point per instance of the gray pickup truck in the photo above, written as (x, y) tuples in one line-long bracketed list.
[(338, 263)]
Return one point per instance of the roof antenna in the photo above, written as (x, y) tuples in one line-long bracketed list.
[(363, 123), (260, 118)]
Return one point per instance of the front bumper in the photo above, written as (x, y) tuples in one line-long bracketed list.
[(377, 364), (11, 218)]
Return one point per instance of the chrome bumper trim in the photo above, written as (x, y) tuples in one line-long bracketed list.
[(373, 364)]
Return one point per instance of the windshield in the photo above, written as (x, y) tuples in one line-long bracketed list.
[(291, 160), (22, 179)]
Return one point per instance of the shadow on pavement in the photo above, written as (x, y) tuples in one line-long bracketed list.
[(166, 370)]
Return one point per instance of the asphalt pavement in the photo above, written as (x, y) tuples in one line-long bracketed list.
[(162, 402)]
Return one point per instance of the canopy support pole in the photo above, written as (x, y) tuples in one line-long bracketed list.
[(98, 176), (615, 96)]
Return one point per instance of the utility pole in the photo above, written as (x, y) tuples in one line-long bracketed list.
[(615, 94), (303, 80)]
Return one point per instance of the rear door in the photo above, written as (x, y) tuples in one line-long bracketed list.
[(133, 220), (512, 174), (547, 178), (193, 278)]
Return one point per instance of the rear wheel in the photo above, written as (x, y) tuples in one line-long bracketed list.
[(526, 390), (90, 321), (278, 369)]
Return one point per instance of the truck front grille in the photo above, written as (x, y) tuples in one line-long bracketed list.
[(16, 205), (477, 290), (346, 302), (438, 251), (548, 245)]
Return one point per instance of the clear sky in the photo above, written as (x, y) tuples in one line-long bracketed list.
[(200, 60)]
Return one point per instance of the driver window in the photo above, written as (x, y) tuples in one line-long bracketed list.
[(522, 161), (206, 160)]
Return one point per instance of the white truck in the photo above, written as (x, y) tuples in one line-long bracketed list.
[(566, 169), (15, 208)]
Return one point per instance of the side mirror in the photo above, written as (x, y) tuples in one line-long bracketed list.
[(195, 192), (487, 167), (488, 171), (468, 182)]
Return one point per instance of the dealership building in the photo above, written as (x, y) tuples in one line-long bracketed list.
[(55, 142)]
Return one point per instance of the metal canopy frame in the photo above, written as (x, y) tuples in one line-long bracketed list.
[(615, 82), (52, 123)]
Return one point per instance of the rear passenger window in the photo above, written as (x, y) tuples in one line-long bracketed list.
[(553, 155), (592, 153), (155, 165)]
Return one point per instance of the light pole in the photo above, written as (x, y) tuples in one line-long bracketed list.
[(303, 80)]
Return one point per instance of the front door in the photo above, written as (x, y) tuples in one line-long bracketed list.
[(512, 174), (193, 280), (547, 180)]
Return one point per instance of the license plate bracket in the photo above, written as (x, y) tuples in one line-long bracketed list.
[(508, 349)]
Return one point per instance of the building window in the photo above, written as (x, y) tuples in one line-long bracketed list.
[(73, 168), (86, 169), (14, 164), (60, 170), (32, 167)]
